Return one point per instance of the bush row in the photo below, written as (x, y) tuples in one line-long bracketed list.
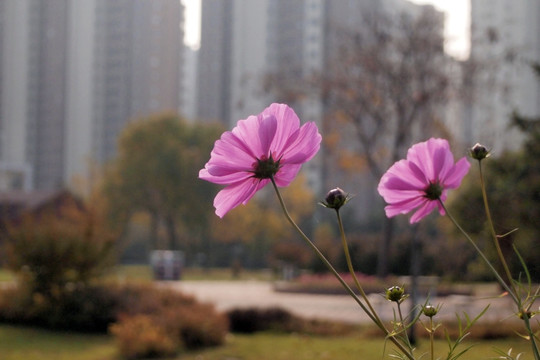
[(252, 320), (145, 320)]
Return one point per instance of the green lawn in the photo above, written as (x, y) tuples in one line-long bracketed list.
[(19, 343), (144, 273)]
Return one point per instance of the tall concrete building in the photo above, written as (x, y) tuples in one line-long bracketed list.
[(504, 41), (232, 59), (245, 43), (72, 74)]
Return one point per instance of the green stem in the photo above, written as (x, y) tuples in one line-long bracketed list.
[(431, 337), (493, 233), (502, 259), (527, 322), (351, 268), (402, 321), (336, 274), (482, 255), (503, 283)]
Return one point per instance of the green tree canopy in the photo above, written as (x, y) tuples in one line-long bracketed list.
[(513, 189), (156, 171)]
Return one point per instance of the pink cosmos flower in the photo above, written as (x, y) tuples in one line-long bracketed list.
[(422, 179), (271, 144)]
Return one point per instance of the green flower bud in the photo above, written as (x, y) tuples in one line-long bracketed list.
[(479, 152), (395, 294), (335, 199), (430, 311)]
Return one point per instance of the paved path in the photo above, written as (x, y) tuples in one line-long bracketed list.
[(226, 295)]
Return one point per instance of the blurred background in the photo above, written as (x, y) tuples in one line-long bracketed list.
[(109, 109), (122, 101)]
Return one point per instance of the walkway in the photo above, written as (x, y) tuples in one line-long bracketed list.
[(226, 295)]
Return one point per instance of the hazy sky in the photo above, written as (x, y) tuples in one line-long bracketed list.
[(457, 13), (457, 24)]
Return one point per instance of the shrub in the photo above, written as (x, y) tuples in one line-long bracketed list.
[(51, 250), (59, 257), (195, 325), (140, 336), (94, 308), (82, 309), (198, 325), (58, 254), (147, 298), (251, 320), (187, 322)]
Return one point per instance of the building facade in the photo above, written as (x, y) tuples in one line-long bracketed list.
[(504, 44), (72, 74), (231, 59)]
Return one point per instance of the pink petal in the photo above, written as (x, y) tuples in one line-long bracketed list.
[(223, 166), (394, 183), (248, 131), (234, 195), (392, 196), (224, 179), (232, 147), (402, 181), (404, 207), (423, 211), (409, 172), (303, 145), (404, 184), (422, 154), (267, 132), (288, 124), (458, 172), (443, 161), (276, 131), (286, 174)]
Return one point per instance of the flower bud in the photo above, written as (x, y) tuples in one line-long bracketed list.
[(335, 199), (525, 314), (479, 152), (395, 294), (430, 311)]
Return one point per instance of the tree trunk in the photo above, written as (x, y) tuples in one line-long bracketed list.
[(154, 225), (171, 232), (384, 248)]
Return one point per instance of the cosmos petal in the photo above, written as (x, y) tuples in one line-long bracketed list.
[(404, 207), (240, 158), (234, 195), (304, 146), (404, 185), (458, 172), (286, 174), (423, 211), (288, 125)]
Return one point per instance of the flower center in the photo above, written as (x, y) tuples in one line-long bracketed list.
[(265, 167), (433, 191)]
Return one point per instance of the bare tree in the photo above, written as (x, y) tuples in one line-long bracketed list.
[(388, 81), (383, 86)]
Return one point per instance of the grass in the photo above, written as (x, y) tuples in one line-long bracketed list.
[(144, 272), (289, 347), (20, 343)]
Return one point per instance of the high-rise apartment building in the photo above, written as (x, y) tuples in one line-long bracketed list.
[(245, 44), (73, 73), (231, 59), (504, 43)]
